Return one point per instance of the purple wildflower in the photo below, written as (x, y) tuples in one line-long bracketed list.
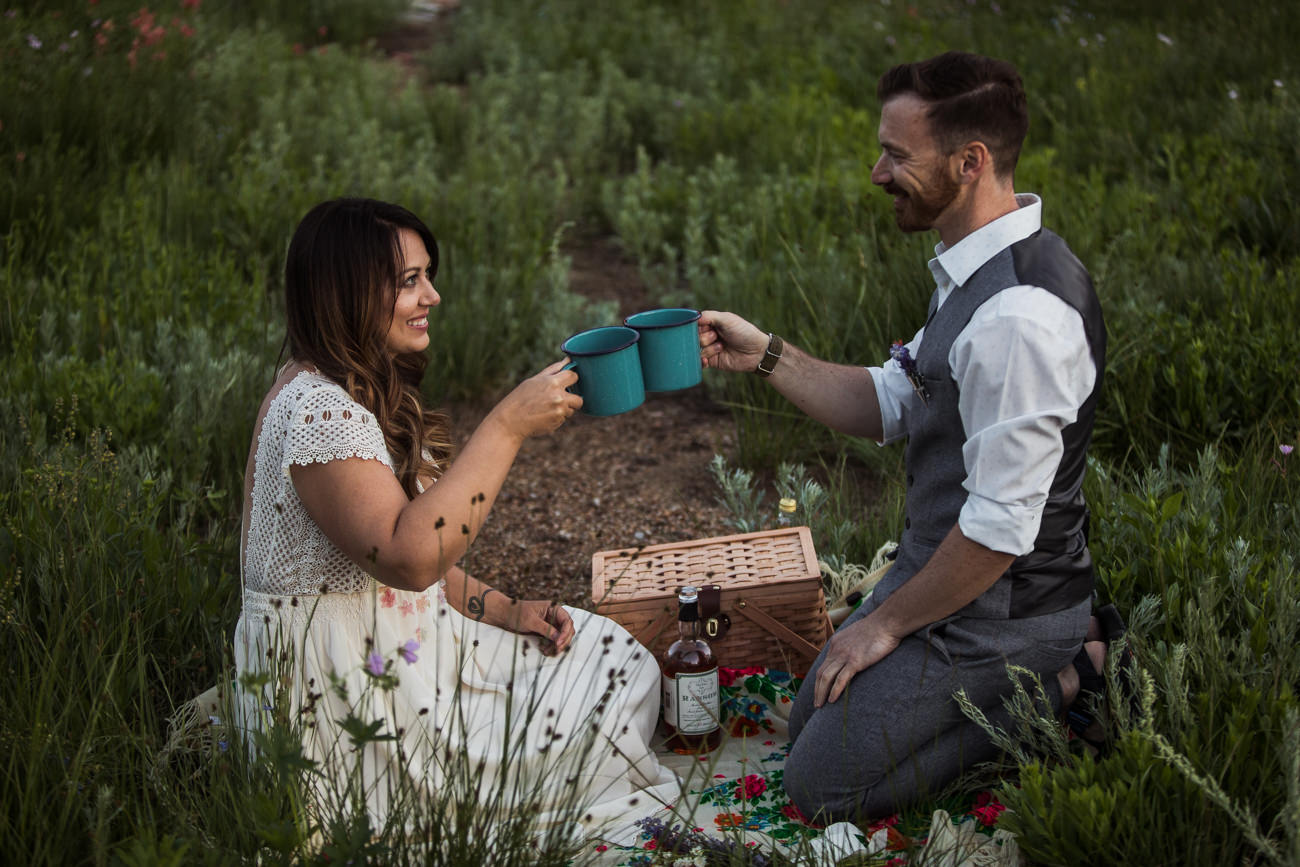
[(375, 663), (33, 42), (407, 651), (1285, 449)]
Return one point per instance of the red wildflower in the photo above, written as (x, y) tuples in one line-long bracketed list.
[(187, 31), (192, 5), (650, 844), (143, 20)]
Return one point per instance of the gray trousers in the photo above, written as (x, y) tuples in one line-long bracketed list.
[(897, 735)]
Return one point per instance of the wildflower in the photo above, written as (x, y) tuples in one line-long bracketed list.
[(192, 5), (1277, 82), (143, 20), (1232, 93), (1165, 39), (375, 663), (10, 13), (1286, 449), (407, 651), (322, 30), (33, 42)]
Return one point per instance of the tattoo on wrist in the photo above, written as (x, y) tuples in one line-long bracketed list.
[(477, 605)]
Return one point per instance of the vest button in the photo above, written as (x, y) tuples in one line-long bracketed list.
[(910, 480), (907, 523)]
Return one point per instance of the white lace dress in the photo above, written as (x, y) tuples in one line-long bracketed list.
[(405, 703)]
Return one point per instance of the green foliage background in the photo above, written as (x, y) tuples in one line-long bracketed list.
[(152, 181)]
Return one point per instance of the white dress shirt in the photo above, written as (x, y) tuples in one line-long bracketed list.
[(1023, 368)]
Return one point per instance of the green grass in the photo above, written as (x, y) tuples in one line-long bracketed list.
[(144, 210)]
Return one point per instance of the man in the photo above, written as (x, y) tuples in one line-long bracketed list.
[(996, 396)]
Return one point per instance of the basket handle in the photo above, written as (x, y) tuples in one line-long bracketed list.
[(655, 628), (777, 628)]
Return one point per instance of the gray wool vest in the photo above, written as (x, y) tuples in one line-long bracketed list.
[(1058, 573)]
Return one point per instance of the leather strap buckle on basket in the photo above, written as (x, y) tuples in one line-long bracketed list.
[(716, 622)]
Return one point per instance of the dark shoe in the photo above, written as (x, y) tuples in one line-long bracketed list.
[(1092, 683)]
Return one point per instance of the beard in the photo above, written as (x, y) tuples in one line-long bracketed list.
[(916, 211)]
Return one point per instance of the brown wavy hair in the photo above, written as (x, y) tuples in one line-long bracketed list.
[(341, 277)]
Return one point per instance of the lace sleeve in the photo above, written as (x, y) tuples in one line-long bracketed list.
[(327, 425)]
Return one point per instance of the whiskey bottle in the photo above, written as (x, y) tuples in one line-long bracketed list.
[(692, 702)]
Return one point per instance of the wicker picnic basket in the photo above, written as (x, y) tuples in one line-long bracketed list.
[(761, 602)]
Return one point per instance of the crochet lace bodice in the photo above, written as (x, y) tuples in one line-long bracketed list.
[(311, 420)]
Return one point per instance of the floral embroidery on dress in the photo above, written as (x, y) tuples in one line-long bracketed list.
[(406, 606), (387, 597), (422, 604)]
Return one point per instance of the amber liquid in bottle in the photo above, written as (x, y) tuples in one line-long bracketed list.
[(691, 701)]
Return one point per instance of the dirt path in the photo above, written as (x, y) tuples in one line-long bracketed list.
[(601, 483)]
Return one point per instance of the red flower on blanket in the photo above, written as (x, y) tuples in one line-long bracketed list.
[(790, 811), (987, 809), (387, 597), (750, 787), (729, 820), (743, 727), (729, 676)]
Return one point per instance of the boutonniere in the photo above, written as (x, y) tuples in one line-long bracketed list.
[(899, 353)]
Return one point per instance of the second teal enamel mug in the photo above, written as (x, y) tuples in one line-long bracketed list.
[(669, 347), (608, 367)]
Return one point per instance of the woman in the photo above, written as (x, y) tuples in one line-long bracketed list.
[(413, 683)]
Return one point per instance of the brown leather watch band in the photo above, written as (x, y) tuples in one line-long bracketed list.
[(775, 346)]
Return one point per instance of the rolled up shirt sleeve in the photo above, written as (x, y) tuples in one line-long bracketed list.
[(894, 393), (1023, 368)]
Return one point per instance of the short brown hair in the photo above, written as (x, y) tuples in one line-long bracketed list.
[(971, 97)]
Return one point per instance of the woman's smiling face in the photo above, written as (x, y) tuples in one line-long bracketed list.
[(409, 329)]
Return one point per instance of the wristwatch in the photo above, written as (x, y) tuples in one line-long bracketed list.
[(775, 346)]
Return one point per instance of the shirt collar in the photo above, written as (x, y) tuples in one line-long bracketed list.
[(964, 258)]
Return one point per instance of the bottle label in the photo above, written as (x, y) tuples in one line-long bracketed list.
[(691, 702)]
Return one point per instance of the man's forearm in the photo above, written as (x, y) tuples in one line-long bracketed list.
[(837, 395), (958, 572)]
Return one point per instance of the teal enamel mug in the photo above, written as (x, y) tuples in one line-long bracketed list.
[(608, 368), (669, 347)]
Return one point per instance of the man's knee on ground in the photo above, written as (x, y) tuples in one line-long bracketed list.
[(829, 788)]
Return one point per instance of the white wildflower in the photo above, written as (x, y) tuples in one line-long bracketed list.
[(1165, 39)]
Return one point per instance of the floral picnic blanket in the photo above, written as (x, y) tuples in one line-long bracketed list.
[(734, 798)]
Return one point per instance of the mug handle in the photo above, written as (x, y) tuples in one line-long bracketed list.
[(573, 389)]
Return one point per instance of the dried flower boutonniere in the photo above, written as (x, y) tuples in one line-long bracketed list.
[(899, 353)]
